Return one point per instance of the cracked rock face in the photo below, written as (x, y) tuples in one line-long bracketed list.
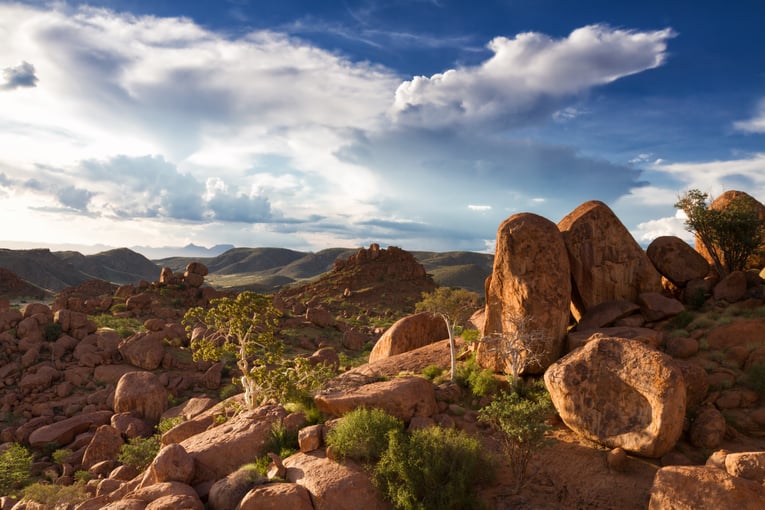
[(620, 393)]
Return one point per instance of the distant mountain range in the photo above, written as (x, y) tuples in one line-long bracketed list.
[(260, 269)]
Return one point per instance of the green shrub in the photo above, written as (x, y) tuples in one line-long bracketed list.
[(755, 378), (166, 424), (15, 463), (282, 441), (362, 434), (52, 331), (479, 381), (51, 496), (59, 456), (520, 417), (124, 326), (680, 321), (433, 468), (138, 452), (432, 371)]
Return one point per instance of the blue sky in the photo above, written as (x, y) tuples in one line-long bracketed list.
[(416, 123)]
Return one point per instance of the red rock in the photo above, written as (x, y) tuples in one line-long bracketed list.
[(732, 288), (176, 501), (604, 314), (227, 493), (309, 438), (747, 332), (105, 445), (320, 317), (655, 307), (197, 268), (403, 397), (749, 465), (222, 449), (144, 350), (160, 490), (277, 496), (530, 278), (708, 428), (63, 432), (676, 260), (409, 333), (354, 339), (172, 464), (682, 347), (334, 486), (141, 393), (696, 487), (607, 264), (647, 336), (193, 280), (620, 393)]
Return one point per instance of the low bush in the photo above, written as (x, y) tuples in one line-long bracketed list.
[(362, 434), (478, 380), (138, 452), (433, 468), (55, 496), (282, 441), (755, 378), (432, 371), (520, 418)]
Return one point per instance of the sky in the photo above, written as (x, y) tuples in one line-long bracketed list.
[(417, 123)]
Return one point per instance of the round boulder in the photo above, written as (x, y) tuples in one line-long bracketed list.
[(620, 393), (409, 333), (142, 394)]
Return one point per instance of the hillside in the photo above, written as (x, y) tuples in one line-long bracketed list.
[(268, 269), (258, 269)]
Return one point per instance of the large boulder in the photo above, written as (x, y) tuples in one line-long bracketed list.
[(63, 432), (409, 333), (607, 264), (142, 394), (334, 486), (695, 487), (676, 260), (144, 350), (620, 393), (277, 496), (403, 397), (172, 464), (104, 446), (531, 280), (220, 450)]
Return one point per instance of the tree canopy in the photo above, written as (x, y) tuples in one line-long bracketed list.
[(730, 234)]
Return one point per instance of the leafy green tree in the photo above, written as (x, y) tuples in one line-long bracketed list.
[(454, 306), (15, 465), (245, 327), (519, 417), (730, 234)]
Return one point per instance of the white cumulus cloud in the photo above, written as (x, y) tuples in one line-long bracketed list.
[(528, 75)]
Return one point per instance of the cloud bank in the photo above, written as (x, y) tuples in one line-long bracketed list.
[(158, 130)]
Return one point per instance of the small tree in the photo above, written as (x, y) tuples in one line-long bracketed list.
[(730, 234), (519, 417), (454, 306), (519, 344), (246, 328)]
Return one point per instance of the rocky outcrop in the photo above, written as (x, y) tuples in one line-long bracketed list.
[(676, 260), (63, 432), (409, 333), (403, 397), (607, 264), (620, 393), (220, 450), (530, 280)]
